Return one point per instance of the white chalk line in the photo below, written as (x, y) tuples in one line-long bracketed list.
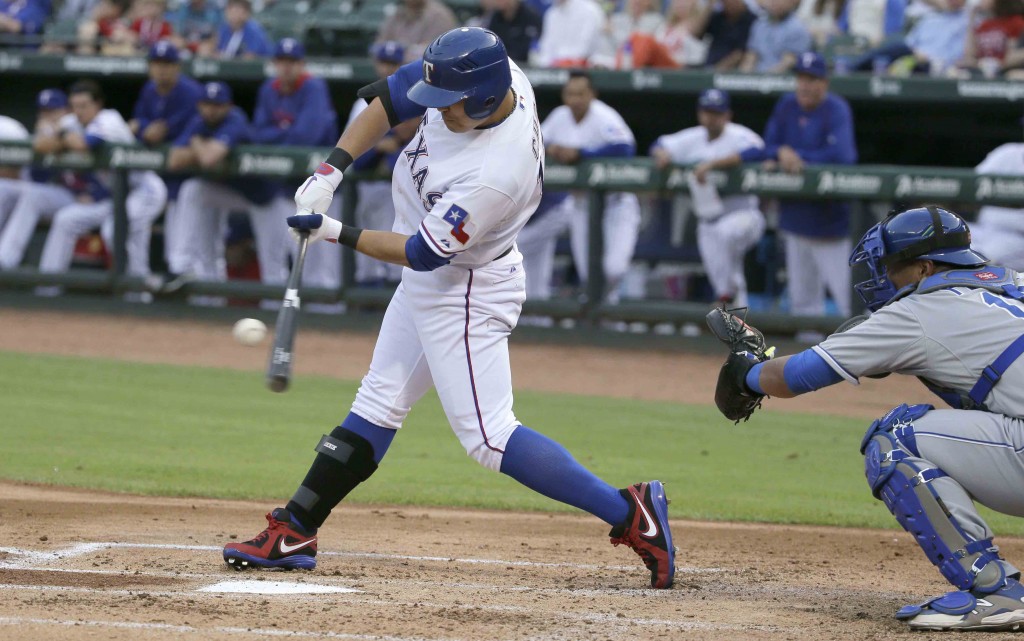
[(188, 629), (86, 548)]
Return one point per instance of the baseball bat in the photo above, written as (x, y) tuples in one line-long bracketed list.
[(279, 369)]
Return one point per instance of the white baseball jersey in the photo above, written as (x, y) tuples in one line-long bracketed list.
[(470, 193), (601, 126), (948, 336), (999, 231), (109, 126), (691, 146)]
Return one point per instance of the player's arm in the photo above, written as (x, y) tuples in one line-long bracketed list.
[(790, 376)]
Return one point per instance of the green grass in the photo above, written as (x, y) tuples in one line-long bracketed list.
[(186, 431)]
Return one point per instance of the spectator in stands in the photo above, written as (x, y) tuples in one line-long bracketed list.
[(820, 17), (149, 25), (415, 24), (727, 227), (873, 20), (294, 109), (810, 126), (777, 38), (582, 128), (76, 10), (89, 129), (729, 30), (992, 46), (204, 201), (571, 34), (47, 190), (195, 25), (617, 48), (999, 231), (376, 208), (935, 43), (678, 35), (240, 36), (517, 24), (106, 30), (165, 107), (22, 19)]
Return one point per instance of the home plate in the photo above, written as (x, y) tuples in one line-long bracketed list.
[(273, 587)]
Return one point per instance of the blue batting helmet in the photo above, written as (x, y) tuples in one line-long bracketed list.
[(929, 232), (465, 63)]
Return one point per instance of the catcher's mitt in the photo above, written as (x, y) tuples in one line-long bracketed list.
[(747, 348)]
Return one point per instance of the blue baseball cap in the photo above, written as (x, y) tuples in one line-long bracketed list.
[(164, 51), (290, 48), (713, 100), (388, 51), (811, 64), (217, 93), (52, 99)]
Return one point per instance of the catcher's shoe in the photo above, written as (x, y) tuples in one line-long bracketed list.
[(646, 530), (963, 610), (284, 544)]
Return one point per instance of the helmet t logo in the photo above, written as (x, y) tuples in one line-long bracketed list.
[(428, 70)]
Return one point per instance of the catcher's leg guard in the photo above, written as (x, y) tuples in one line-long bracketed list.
[(903, 481)]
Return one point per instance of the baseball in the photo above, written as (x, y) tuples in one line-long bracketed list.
[(249, 331)]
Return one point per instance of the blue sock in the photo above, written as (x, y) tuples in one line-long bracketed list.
[(546, 467), (379, 437)]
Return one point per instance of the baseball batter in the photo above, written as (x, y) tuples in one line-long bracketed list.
[(999, 231), (727, 227), (946, 316), (463, 188), (582, 128)]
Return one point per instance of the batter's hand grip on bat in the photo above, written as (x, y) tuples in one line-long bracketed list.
[(279, 369)]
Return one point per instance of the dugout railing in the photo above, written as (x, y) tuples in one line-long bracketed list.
[(854, 183)]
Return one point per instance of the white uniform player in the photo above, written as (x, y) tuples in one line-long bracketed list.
[(727, 227), (11, 178), (582, 128), (94, 126), (945, 316), (463, 188), (999, 231)]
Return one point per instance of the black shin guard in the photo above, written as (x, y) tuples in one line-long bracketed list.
[(344, 460)]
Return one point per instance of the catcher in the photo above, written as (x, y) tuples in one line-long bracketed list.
[(941, 313)]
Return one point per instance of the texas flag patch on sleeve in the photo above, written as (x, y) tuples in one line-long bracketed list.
[(457, 217)]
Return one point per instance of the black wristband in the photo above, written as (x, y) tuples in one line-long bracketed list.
[(339, 159), (349, 236)]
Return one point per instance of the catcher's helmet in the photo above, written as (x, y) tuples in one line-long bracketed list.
[(465, 63), (919, 233)]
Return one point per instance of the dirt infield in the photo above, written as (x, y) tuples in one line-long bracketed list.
[(87, 565)]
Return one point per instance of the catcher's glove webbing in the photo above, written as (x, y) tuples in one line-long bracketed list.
[(746, 348)]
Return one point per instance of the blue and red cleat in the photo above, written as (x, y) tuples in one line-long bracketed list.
[(646, 530), (284, 544)]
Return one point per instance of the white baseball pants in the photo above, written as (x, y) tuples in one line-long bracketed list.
[(144, 204), (10, 190), (621, 227), (37, 200), (376, 210), (723, 243), (812, 264), (450, 328), (201, 207), (537, 242)]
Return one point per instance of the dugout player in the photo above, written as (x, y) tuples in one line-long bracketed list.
[(88, 128), (294, 109), (999, 231), (204, 201), (729, 226), (463, 189), (581, 129), (943, 314)]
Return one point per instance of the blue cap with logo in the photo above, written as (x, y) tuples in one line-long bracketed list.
[(52, 99), (290, 48), (388, 51), (811, 64), (217, 93), (713, 100), (164, 51)]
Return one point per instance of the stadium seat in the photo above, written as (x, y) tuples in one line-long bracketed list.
[(61, 32)]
